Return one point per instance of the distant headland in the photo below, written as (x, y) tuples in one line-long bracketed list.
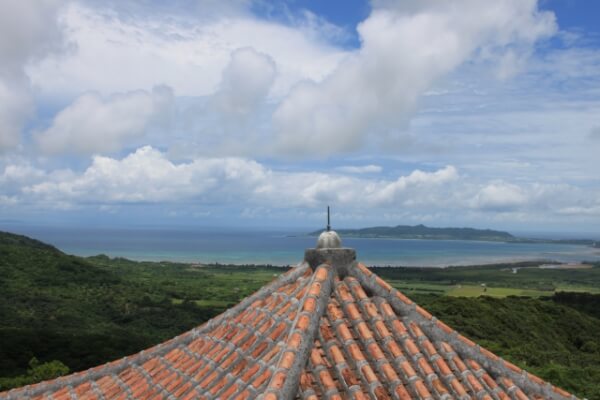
[(429, 233), (425, 232)]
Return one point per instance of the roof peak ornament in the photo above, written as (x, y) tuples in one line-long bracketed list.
[(329, 239), (329, 250)]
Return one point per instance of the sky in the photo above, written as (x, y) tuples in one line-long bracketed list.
[(255, 113)]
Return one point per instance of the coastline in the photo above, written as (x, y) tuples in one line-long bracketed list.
[(283, 248), (591, 255), (509, 264)]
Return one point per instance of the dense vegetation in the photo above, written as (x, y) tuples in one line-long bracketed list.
[(556, 342), (71, 313), (83, 312)]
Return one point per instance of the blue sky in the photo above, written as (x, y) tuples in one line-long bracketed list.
[(258, 113)]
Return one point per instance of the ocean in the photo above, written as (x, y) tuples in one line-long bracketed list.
[(282, 247)]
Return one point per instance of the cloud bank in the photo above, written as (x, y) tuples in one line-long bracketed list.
[(93, 124), (148, 176)]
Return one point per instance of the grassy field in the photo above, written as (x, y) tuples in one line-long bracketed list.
[(475, 291), (466, 290), (497, 280)]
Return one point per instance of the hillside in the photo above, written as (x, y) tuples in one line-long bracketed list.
[(59, 307), (424, 232), (81, 312), (558, 343)]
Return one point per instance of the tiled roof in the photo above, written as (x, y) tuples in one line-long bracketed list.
[(332, 330)]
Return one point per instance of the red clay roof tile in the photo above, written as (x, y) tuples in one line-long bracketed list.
[(443, 367), (422, 390), (368, 373), (458, 387), (393, 348), (438, 386)]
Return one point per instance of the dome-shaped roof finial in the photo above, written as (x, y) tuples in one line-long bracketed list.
[(329, 239)]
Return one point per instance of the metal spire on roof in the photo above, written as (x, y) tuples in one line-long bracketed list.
[(329, 239)]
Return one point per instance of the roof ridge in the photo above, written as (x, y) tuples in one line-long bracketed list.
[(465, 347), (116, 366), (242, 339), (301, 337)]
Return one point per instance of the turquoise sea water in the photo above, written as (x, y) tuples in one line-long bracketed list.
[(287, 247)]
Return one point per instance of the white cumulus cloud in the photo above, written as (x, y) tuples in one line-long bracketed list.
[(406, 47), (93, 124), (245, 84), (501, 196), (146, 175), (16, 105)]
